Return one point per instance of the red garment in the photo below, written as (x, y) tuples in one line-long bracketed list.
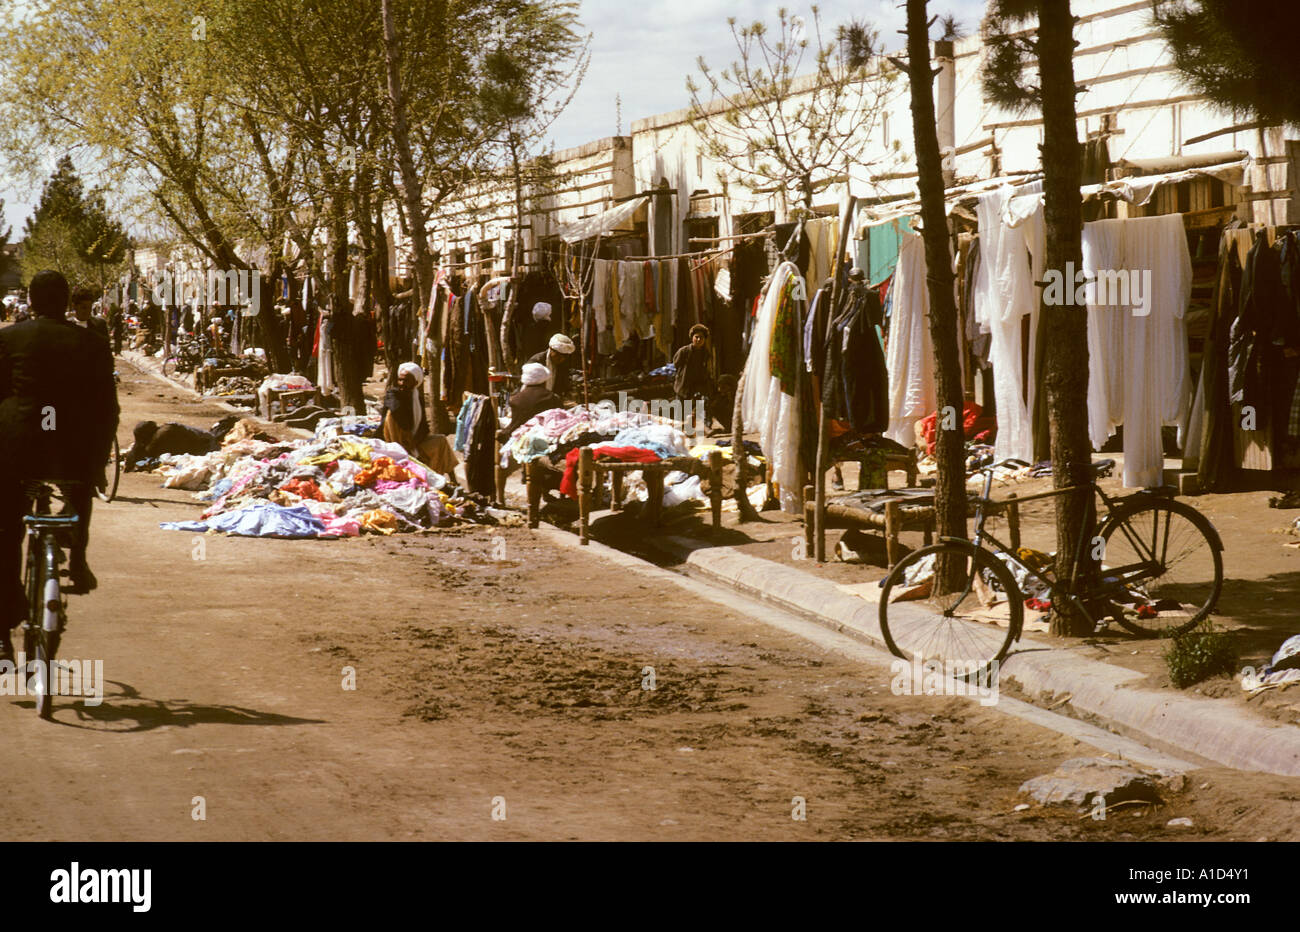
[(569, 484), (973, 422)]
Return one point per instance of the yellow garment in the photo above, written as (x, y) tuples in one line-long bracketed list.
[(347, 450), (379, 521)]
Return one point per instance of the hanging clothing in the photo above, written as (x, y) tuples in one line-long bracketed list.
[(1004, 295), (910, 359), (1138, 368), (855, 384), (766, 407)]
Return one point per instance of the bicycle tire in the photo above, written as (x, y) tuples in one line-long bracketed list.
[(1196, 587), (927, 629), (112, 473), (169, 367), (39, 644)]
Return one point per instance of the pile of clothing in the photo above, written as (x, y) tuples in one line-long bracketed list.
[(337, 484), (234, 385), (555, 432)]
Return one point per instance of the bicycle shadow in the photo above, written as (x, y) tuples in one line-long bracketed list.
[(126, 711)]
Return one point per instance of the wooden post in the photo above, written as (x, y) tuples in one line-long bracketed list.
[(534, 494), (654, 484), (823, 422), (1013, 520), (809, 518), (586, 467), (615, 490), (715, 487), (893, 524)]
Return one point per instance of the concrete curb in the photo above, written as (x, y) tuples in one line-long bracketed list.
[(1206, 728)]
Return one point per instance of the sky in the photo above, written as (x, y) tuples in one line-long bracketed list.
[(645, 58), (643, 53)]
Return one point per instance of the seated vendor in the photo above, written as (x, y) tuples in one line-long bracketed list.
[(531, 400), (556, 358), (405, 422)]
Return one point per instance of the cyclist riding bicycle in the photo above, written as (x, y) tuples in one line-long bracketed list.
[(58, 417)]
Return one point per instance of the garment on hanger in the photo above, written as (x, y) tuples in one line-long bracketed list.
[(1004, 295), (767, 408), (910, 358), (855, 383)]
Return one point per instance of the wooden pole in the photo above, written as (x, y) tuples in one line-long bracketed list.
[(823, 421)]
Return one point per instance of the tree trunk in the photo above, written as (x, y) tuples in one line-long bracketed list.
[(412, 191), (345, 333), (950, 485), (1065, 334)]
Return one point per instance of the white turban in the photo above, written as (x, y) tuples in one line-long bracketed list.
[(561, 344), (410, 368), (535, 373), (541, 311)]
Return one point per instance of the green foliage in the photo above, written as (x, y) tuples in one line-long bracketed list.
[(1009, 55), (1199, 654), (71, 231), (1239, 53)]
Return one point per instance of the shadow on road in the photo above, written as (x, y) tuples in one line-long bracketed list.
[(125, 710)]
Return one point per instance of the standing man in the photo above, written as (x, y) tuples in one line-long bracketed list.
[(58, 417), (694, 379)]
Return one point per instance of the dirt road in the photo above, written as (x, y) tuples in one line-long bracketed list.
[(496, 674)]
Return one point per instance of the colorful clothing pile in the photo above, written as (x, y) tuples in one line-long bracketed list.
[(334, 485)]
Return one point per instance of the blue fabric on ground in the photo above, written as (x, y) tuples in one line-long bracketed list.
[(259, 519)]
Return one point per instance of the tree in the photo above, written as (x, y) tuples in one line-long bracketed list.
[(1239, 53), (950, 487), (1065, 334), (71, 231), (777, 132)]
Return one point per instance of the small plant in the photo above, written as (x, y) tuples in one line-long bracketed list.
[(1199, 654)]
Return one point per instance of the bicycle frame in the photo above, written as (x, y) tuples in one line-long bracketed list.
[(1053, 586)]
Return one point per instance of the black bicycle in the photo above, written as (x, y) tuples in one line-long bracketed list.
[(1160, 572), (48, 535)]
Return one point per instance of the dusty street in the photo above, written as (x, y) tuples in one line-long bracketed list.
[(496, 671)]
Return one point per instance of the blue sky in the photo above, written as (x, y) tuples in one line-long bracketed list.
[(644, 51)]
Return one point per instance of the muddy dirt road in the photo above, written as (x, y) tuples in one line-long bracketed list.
[(491, 665)]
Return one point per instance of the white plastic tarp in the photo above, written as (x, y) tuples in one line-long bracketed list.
[(603, 222)]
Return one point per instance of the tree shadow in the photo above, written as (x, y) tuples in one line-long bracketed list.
[(1269, 608), (125, 711)]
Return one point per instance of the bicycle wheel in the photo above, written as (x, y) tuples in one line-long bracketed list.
[(1162, 568), (36, 647), (920, 623), (169, 366), (113, 473)]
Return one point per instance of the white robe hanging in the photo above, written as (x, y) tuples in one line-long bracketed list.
[(767, 409), (910, 360), (1005, 293)]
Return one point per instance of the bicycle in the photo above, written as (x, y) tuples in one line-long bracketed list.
[(47, 606), (1160, 572)]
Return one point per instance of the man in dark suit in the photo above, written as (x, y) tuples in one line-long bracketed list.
[(58, 417), (83, 300)]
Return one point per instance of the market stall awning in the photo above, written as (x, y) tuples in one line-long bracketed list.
[(603, 222)]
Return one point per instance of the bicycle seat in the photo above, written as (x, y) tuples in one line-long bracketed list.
[(1103, 468)]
